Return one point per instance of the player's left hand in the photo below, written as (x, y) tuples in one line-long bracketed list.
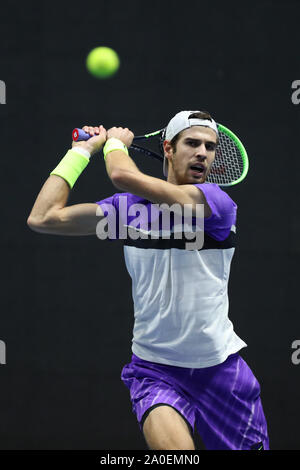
[(96, 141), (121, 133)]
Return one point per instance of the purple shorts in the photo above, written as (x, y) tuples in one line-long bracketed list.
[(222, 402)]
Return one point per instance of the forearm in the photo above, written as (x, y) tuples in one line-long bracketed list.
[(118, 162)]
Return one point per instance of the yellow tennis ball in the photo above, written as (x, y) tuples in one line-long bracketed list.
[(102, 62)]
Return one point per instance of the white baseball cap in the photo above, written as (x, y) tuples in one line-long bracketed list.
[(180, 122)]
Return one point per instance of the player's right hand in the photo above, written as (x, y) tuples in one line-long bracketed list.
[(124, 134), (96, 142)]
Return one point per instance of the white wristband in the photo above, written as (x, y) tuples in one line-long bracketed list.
[(82, 151)]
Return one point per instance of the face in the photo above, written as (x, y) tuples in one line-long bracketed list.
[(194, 155)]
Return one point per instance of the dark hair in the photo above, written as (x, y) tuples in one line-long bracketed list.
[(198, 115)]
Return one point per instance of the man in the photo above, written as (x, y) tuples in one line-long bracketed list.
[(185, 368)]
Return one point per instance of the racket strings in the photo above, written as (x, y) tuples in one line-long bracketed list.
[(228, 164)]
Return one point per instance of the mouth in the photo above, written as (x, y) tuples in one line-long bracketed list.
[(198, 169)]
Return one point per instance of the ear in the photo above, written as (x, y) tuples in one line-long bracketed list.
[(167, 149)]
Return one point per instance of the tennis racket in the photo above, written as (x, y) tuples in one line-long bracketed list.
[(231, 162)]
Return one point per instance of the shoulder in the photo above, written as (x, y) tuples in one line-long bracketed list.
[(211, 195), (216, 196), (223, 210)]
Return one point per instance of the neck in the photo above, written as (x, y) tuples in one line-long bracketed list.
[(172, 179)]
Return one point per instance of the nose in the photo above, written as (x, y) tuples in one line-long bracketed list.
[(202, 152)]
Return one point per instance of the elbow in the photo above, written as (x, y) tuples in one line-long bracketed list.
[(41, 224), (35, 224), (119, 179), (123, 179)]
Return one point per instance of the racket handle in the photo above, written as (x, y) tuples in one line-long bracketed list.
[(79, 134)]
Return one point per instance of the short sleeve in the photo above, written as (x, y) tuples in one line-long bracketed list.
[(223, 208)]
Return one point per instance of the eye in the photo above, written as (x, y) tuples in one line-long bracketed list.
[(192, 143), (210, 147)]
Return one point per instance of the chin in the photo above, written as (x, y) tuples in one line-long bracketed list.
[(195, 180)]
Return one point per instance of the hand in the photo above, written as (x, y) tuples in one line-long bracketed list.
[(95, 143), (125, 135)]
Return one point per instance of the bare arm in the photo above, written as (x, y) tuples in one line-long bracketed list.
[(50, 214), (127, 177)]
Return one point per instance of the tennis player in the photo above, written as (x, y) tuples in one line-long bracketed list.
[(186, 372)]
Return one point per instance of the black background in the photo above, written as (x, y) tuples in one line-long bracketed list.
[(66, 307)]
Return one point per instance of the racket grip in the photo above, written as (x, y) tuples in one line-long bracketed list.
[(79, 134)]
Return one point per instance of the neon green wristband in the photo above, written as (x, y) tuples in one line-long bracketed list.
[(71, 167), (114, 144)]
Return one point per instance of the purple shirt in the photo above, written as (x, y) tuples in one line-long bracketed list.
[(217, 226)]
